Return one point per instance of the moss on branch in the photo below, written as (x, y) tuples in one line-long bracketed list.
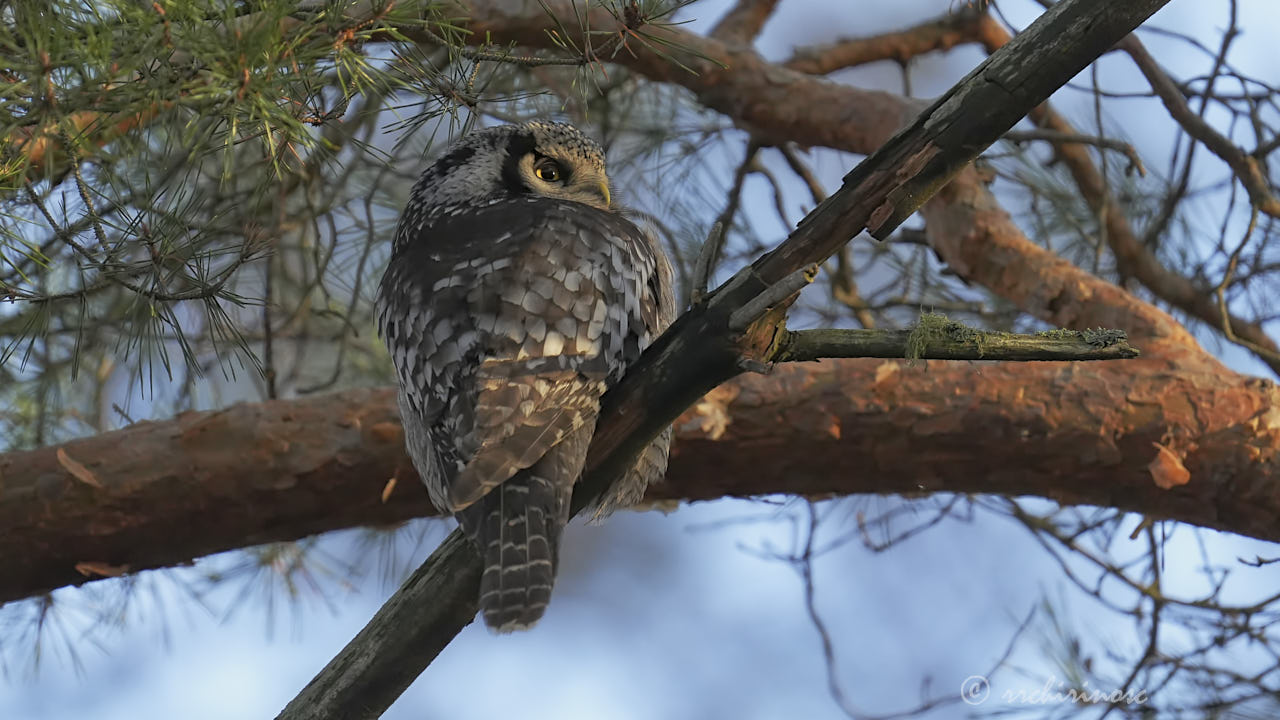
[(936, 337)]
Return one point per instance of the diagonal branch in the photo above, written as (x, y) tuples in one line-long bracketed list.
[(699, 351)]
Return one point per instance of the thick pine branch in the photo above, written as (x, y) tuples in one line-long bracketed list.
[(255, 473), (280, 470), (744, 21)]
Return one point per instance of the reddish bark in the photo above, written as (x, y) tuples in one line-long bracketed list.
[(774, 103), (980, 242), (1073, 432), (966, 24), (744, 21), (1077, 433)]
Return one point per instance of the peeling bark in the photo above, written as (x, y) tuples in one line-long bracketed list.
[(1075, 433), (280, 470)]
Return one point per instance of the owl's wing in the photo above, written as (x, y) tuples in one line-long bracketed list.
[(545, 299), (658, 311)]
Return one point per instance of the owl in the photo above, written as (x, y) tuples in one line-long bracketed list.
[(517, 293)]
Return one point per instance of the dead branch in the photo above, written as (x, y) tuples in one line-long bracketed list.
[(941, 339)]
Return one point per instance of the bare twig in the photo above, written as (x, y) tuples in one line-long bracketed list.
[(709, 255), (1133, 254), (1221, 293), (802, 562), (1247, 169), (706, 254), (780, 294), (1058, 136)]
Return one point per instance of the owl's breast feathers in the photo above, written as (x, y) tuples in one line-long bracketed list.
[(506, 323)]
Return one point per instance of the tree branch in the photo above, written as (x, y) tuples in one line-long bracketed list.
[(1247, 169), (699, 351), (432, 606), (981, 243), (253, 491), (281, 470), (1133, 256), (744, 21), (175, 490), (943, 33), (1042, 428), (778, 105), (1060, 137), (941, 339)]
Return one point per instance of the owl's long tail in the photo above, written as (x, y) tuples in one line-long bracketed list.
[(517, 527), (519, 538)]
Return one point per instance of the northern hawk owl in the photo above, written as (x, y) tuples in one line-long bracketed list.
[(516, 295)]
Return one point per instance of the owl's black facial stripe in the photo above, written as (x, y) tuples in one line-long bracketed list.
[(454, 159), (519, 145)]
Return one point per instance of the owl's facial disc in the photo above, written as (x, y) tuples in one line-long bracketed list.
[(565, 176)]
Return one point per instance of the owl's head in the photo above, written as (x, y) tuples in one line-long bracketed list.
[(535, 158)]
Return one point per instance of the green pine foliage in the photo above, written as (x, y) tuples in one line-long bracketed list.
[(195, 197)]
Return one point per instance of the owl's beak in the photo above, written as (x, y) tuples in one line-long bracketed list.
[(604, 192)]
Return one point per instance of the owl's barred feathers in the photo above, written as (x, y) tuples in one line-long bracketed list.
[(515, 297)]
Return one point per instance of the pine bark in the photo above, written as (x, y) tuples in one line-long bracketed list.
[(280, 470)]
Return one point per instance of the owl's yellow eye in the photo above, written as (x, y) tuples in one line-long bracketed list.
[(547, 172)]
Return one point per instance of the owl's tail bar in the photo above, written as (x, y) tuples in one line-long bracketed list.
[(519, 537)]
